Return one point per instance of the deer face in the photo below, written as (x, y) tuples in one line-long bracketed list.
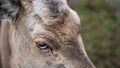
[(46, 35)]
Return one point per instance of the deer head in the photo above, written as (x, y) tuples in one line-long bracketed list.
[(44, 34)]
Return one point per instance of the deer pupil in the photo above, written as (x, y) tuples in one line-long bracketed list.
[(41, 45)]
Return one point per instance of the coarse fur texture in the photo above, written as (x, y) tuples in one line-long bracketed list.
[(50, 21)]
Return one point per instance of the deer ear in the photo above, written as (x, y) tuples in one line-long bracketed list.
[(9, 8)]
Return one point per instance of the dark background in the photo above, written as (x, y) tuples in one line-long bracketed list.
[(100, 29)]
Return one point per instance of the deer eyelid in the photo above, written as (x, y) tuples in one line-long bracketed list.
[(42, 44)]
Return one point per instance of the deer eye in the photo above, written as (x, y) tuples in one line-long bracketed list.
[(43, 46)]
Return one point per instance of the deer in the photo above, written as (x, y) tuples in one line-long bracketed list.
[(41, 34)]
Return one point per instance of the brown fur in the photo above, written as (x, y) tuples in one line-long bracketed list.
[(50, 21)]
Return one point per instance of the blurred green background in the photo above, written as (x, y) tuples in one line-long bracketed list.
[(100, 30)]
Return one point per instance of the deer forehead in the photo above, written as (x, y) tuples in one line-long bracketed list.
[(49, 9)]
